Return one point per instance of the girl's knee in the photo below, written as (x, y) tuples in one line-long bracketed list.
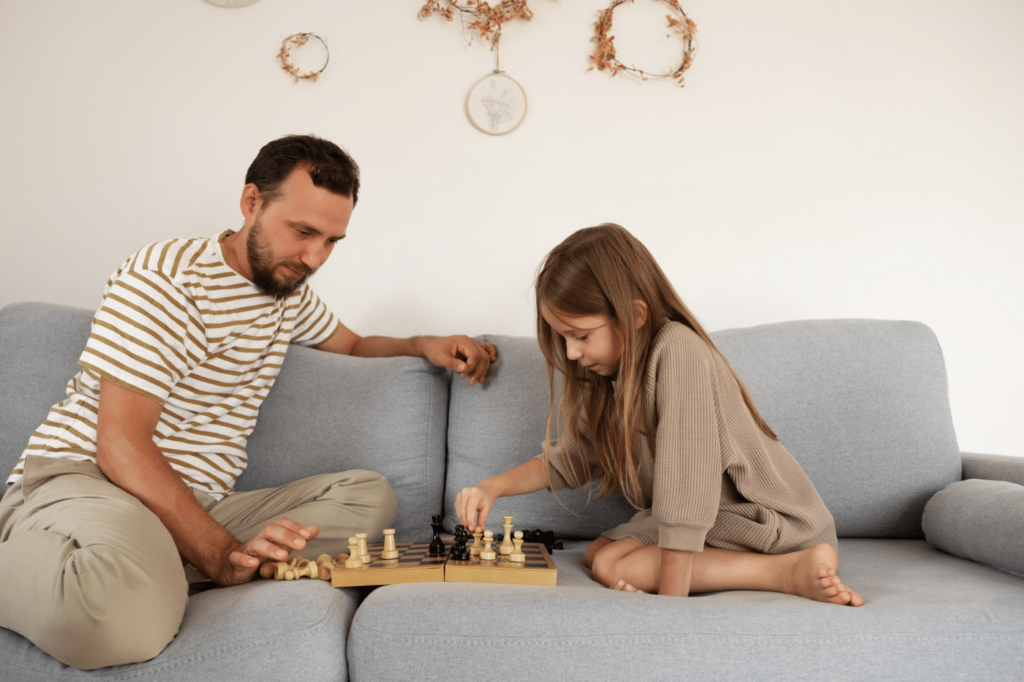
[(604, 563)]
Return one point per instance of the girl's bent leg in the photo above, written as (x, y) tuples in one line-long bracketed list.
[(809, 573)]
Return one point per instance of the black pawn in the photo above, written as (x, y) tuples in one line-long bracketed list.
[(459, 551), (437, 544)]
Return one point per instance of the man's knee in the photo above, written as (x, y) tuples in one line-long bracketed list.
[(384, 512)]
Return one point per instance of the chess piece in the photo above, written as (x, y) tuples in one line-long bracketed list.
[(390, 551), (437, 544), (353, 552), (459, 551), (506, 542), (475, 550), (325, 566), (487, 553), (268, 569), (364, 553), (517, 555)]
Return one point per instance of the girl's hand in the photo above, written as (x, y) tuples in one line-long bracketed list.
[(473, 504)]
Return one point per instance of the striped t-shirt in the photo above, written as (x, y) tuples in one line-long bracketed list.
[(180, 327)]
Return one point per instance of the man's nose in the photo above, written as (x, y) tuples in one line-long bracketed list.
[(314, 257)]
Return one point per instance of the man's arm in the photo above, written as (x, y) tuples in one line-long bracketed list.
[(127, 455), (459, 353)]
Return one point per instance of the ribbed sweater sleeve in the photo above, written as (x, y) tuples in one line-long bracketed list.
[(688, 464)]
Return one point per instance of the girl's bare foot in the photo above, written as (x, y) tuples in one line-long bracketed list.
[(812, 574), (623, 586)]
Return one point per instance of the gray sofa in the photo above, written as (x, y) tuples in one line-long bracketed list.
[(862, 405)]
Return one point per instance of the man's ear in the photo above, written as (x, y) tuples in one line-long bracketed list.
[(639, 313), (251, 202)]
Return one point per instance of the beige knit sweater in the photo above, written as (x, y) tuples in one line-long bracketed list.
[(715, 478)]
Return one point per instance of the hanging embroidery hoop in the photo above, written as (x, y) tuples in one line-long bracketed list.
[(496, 104)]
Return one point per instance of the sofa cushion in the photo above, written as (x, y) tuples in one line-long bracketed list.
[(264, 630), (861, 404), (39, 348), (979, 520), (928, 616), (331, 412)]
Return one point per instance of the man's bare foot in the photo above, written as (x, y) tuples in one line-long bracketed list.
[(812, 574), (623, 586)]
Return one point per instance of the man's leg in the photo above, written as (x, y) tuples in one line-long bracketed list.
[(88, 574), (340, 505)]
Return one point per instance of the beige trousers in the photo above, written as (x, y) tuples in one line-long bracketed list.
[(92, 577)]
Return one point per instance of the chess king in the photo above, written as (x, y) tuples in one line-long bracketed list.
[(133, 474)]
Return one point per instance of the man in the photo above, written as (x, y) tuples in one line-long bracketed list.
[(133, 474)]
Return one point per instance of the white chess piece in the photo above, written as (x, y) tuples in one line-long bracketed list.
[(390, 551), (517, 554), (506, 542), (477, 546), (364, 553), (353, 560), (488, 554)]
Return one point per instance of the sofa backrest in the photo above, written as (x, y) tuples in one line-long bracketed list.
[(861, 404), (325, 413)]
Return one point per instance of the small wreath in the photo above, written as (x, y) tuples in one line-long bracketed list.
[(604, 54), (298, 40)]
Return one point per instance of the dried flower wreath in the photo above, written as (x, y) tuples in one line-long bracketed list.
[(485, 19), (604, 54), (298, 40)]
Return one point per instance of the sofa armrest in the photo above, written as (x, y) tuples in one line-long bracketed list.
[(993, 467), (980, 520)]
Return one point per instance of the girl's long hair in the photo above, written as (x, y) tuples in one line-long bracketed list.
[(601, 271)]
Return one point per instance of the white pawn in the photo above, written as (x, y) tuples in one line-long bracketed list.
[(517, 554), (475, 549), (353, 560), (488, 554), (390, 551)]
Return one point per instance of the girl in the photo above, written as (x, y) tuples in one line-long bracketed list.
[(650, 404)]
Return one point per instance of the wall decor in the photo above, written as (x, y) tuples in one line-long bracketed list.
[(496, 104), (296, 41), (604, 56)]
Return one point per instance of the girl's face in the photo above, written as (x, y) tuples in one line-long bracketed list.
[(593, 341)]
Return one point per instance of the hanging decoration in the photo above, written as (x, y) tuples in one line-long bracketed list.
[(496, 104), (296, 41), (604, 56)]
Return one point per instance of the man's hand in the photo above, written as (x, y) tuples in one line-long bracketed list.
[(461, 354), (274, 543)]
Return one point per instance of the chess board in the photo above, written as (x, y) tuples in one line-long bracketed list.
[(415, 565), (539, 569)]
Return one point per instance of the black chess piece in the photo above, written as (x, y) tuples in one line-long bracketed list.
[(459, 551), (437, 547)]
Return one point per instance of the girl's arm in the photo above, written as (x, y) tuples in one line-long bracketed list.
[(676, 572), (473, 504)]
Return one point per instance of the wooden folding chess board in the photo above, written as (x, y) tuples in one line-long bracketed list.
[(415, 565)]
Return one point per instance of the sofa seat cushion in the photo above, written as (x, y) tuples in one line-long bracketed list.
[(979, 520), (263, 630), (928, 616)]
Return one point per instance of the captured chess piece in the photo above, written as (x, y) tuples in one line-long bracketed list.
[(517, 555), (390, 551), (353, 560), (364, 553), (475, 550), (459, 551), (487, 553), (437, 544), (506, 541)]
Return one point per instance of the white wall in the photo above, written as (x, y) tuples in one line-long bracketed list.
[(824, 160)]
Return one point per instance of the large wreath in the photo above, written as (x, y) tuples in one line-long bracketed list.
[(604, 56)]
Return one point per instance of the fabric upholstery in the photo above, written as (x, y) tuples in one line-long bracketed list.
[(928, 616), (993, 467), (979, 520)]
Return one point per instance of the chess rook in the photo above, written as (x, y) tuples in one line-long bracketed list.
[(389, 551), (364, 553)]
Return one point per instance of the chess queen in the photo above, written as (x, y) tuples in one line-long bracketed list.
[(650, 404)]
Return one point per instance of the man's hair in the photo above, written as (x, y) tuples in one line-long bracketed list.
[(328, 166)]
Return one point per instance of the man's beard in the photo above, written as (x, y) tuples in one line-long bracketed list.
[(261, 260)]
